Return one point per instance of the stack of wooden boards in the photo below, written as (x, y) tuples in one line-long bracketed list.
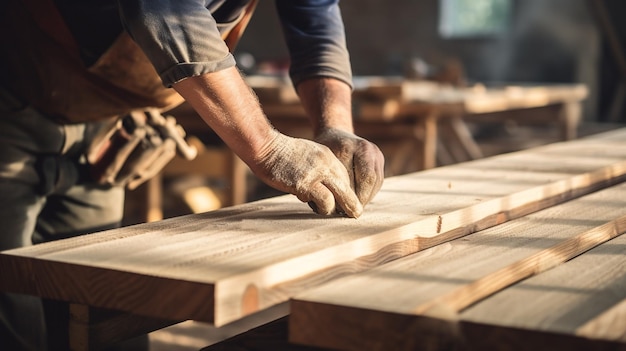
[(220, 266), (390, 93)]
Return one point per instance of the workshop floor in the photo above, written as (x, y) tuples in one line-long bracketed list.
[(190, 336)]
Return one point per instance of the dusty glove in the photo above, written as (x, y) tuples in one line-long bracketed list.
[(362, 159), (310, 171)]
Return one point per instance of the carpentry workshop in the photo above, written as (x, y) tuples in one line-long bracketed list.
[(301, 175)]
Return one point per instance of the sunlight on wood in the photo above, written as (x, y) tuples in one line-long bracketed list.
[(202, 199)]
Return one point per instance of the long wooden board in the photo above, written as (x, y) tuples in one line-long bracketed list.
[(477, 98), (387, 99), (222, 265), (432, 300), (564, 308)]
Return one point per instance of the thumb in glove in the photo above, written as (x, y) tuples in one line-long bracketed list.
[(310, 171)]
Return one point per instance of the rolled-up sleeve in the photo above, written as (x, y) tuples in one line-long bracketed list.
[(315, 37), (180, 37)]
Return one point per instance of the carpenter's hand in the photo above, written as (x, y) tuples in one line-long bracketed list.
[(310, 171), (363, 160)]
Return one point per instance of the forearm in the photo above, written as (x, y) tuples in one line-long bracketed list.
[(301, 167), (328, 104), (230, 108)]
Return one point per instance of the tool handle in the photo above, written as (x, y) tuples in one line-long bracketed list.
[(168, 127)]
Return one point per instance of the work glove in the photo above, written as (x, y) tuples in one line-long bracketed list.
[(311, 172), (362, 159)]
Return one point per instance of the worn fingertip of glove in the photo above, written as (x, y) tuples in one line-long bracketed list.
[(354, 213), (357, 210), (338, 210)]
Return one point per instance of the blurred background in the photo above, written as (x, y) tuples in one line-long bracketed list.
[(494, 40)]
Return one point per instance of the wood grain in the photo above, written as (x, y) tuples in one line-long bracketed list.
[(576, 304), (222, 265), (425, 292), (611, 324)]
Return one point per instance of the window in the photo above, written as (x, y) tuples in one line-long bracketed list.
[(471, 18)]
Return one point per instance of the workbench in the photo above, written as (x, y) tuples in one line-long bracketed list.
[(453, 255)]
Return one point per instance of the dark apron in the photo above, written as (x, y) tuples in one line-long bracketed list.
[(45, 70)]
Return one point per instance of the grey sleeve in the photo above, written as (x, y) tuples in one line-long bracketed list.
[(180, 37), (315, 37)]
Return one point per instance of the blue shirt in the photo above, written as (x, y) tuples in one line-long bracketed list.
[(182, 37)]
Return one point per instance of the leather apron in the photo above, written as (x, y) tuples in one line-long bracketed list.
[(45, 70)]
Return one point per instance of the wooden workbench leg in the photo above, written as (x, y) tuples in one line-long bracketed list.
[(147, 200), (57, 314), (155, 198), (444, 156), (456, 138), (569, 118), (465, 138), (237, 172), (428, 157)]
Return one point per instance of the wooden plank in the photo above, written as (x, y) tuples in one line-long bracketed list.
[(222, 265), (399, 88), (395, 110), (611, 324), (396, 99), (567, 307), (510, 97), (386, 94), (418, 302), (478, 96)]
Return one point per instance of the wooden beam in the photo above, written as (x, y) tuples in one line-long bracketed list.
[(433, 299), (220, 266), (389, 94)]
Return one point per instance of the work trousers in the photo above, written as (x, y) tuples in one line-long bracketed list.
[(45, 195)]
